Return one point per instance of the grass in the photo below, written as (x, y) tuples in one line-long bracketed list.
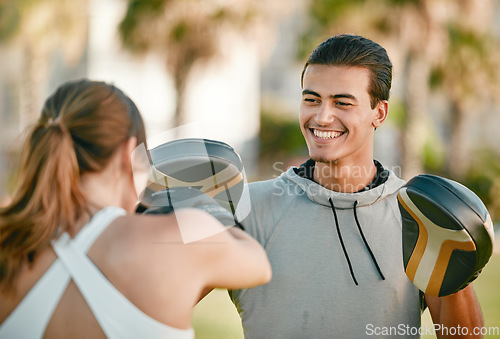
[(215, 317), (488, 291)]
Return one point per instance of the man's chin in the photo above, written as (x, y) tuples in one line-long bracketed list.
[(324, 160)]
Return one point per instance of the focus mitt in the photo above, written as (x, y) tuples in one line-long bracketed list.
[(200, 173), (447, 234)]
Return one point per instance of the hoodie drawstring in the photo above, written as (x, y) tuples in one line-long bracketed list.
[(342, 242), (366, 243), (362, 236)]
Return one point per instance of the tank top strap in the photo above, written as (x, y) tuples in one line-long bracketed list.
[(99, 222), (37, 306), (117, 316)]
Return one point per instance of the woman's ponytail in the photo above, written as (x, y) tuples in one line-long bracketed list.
[(48, 197), (81, 126)]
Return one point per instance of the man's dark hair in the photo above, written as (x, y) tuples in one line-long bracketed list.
[(356, 51)]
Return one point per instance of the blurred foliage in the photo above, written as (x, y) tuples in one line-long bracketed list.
[(321, 14), (469, 54), (330, 17), (434, 155), (39, 29), (495, 200), (280, 136), (326, 11), (433, 151), (137, 10), (397, 113), (462, 37), (10, 18), (483, 178), (404, 2), (184, 33)]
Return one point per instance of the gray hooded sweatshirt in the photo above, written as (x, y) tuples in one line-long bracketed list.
[(325, 282)]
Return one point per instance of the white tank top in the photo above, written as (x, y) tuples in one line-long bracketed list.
[(117, 316)]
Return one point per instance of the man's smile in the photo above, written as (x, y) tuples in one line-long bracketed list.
[(325, 134)]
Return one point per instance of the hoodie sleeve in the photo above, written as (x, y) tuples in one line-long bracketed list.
[(259, 220), (270, 199)]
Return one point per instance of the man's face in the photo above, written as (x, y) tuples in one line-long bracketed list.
[(336, 117)]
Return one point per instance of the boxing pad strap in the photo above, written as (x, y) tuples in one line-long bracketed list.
[(168, 200)]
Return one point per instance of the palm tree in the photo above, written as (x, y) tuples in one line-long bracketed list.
[(189, 31)]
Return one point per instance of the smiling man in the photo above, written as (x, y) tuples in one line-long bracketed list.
[(331, 227), (338, 120)]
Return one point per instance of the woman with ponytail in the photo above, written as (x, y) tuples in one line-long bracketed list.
[(75, 261)]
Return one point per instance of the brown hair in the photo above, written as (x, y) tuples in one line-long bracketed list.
[(82, 124), (356, 51)]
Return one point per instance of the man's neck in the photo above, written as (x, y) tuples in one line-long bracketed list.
[(344, 178)]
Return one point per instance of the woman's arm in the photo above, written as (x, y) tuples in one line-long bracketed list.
[(225, 257)]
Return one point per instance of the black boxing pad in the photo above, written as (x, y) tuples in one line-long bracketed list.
[(211, 168), (162, 202), (447, 234)]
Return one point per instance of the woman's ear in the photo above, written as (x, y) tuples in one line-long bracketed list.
[(126, 153), (381, 112)]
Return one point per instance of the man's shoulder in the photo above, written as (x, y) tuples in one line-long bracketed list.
[(394, 181), (267, 188), (271, 197)]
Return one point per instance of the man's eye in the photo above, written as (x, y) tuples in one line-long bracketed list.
[(309, 100), (340, 103)]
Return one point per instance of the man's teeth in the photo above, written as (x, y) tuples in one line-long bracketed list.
[(327, 134)]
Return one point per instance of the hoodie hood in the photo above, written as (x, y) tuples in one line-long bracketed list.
[(322, 195)]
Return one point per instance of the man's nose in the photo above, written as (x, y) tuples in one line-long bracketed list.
[(325, 115)]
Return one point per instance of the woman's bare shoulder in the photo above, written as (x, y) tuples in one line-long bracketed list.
[(185, 225), (140, 236)]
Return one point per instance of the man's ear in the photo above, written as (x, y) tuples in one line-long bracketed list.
[(381, 112)]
